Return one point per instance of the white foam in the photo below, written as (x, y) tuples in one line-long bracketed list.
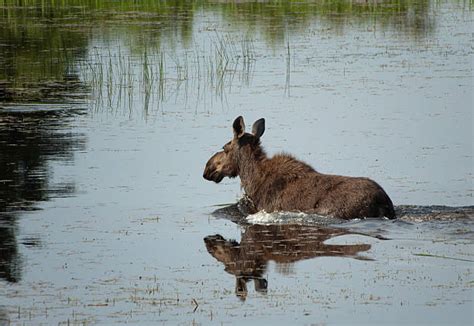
[(263, 217)]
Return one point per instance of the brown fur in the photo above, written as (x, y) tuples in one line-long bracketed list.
[(284, 244), (283, 183)]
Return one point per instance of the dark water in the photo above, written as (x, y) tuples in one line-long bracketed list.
[(109, 111)]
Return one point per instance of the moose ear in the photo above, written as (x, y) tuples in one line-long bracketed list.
[(239, 127), (258, 128)]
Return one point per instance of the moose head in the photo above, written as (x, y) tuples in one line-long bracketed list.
[(227, 163)]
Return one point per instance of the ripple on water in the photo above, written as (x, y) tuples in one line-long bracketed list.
[(241, 213)]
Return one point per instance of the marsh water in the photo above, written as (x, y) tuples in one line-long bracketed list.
[(109, 111)]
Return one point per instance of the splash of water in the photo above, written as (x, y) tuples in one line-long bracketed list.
[(262, 217)]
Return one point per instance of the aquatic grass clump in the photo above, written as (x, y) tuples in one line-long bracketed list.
[(158, 76), (288, 69)]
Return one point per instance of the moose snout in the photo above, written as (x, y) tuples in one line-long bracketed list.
[(207, 170), (211, 174), (207, 174)]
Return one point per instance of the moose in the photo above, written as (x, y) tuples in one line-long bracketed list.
[(284, 244), (283, 183)]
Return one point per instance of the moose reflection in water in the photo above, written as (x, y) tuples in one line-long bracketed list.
[(284, 244), (283, 183)]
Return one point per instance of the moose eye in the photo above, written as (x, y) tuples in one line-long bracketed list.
[(226, 147)]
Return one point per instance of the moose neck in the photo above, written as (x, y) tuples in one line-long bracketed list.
[(250, 168)]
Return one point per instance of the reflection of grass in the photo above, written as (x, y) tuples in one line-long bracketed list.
[(45, 39), (272, 17), (36, 62), (275, 18)]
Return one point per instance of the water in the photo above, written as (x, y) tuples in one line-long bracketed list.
[(109, 113)]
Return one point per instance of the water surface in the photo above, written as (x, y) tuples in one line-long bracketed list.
[(108, 113)]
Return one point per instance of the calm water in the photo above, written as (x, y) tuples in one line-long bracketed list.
[(108, 113)]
